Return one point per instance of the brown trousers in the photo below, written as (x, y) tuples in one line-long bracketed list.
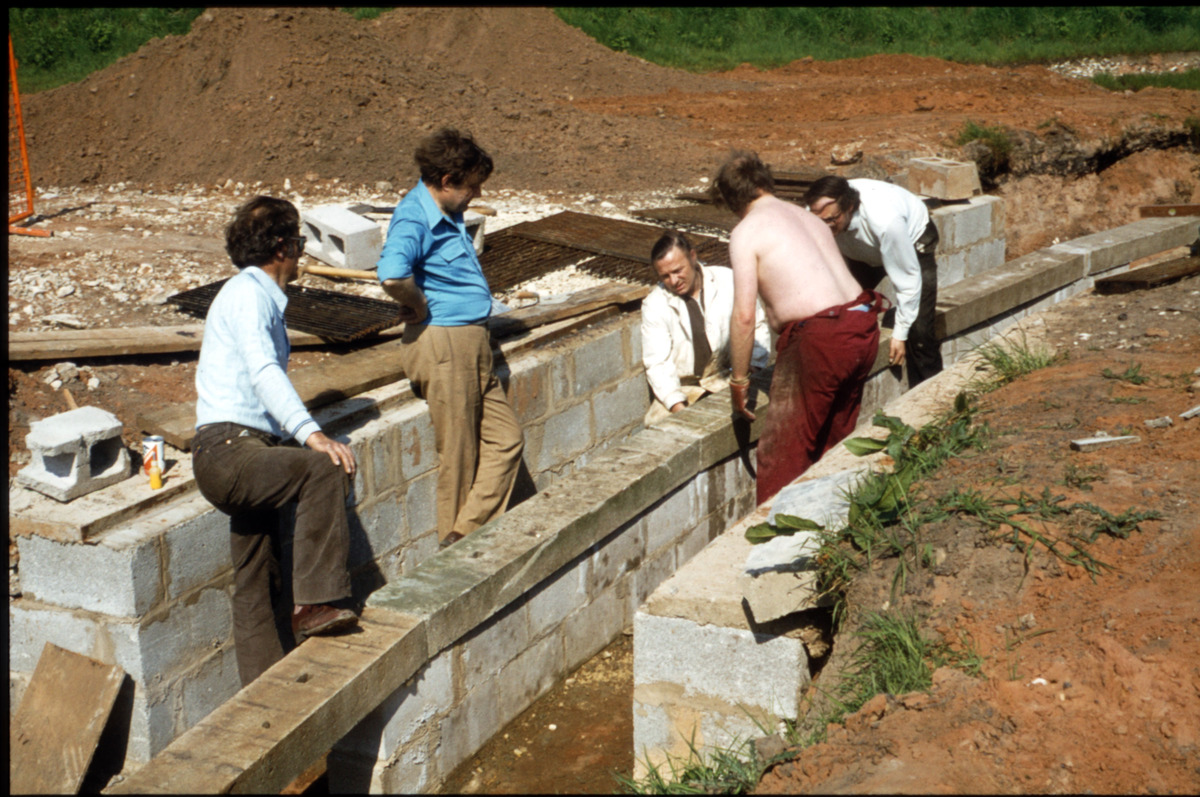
[(479, 441), (250, 476)]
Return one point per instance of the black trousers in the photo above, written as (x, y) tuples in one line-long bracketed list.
[(250, 475), (922, 351)]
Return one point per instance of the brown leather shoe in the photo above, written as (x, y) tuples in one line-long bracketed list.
[(451, 538), (315, 619)]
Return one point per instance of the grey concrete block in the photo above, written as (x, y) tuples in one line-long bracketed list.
[(1111, 248), (209, 685), (565, 435), (943, 178), (197, 552), (588, 631), (558, 596), (621, 407), (124, 582), (529, 677), (984, 257), (971, 302), (420, 505), (492, 645), (376, 528), (188, 633), (405, 713), (468, 726), (341, 238), (619, 553), (75, 453), (960, 226), (529, 389), (418, 443), (599, 362), (670, 517)]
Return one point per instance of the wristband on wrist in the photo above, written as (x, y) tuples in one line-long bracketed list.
[(740, 382)]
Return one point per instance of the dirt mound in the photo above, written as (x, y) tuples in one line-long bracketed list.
[(269, 94), (1087, 685)]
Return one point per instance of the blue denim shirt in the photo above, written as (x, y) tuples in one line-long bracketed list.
[(437, 251), (242, 373)]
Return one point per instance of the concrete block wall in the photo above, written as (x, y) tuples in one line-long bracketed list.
[(477, 683), (153, 594)]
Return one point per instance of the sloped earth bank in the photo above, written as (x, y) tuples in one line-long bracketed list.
[(1089, 685)]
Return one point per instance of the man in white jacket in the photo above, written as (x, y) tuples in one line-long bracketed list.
[(883, 225), (683, 365)]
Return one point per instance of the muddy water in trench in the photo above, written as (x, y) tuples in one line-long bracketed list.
[(571, 741)]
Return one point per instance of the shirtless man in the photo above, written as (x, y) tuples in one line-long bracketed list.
[(827, 324)]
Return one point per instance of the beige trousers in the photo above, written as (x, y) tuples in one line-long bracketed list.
[(715, 380), (479, 441)]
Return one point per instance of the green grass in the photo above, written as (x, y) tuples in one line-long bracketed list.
[(709, 38), (1132, 374), (1008, 359), (1189, 80), (732, 770)]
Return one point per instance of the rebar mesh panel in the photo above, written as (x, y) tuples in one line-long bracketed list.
[(691, 215), (708, 250), (509, 260), (338, 317)]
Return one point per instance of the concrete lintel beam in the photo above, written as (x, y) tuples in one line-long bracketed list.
[(1109, 249)]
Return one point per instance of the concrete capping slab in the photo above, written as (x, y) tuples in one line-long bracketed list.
[(1121, 245)]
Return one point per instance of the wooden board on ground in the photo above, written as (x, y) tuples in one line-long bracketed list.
[(1149, 276), (1147, 211), (706, 215), (122, 341), (56, 729), (580, 302)]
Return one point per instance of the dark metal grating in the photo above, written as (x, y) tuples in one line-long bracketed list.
[(337, 317), (508, 259)]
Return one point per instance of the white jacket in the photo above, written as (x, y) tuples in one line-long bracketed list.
[(667, 349), (884, 232)]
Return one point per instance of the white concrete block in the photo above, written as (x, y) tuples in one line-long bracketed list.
[(943, 178), (960, 226), (529, 677), (732, 665), (467, 727), (984, 257), (75, 453), (341, 238)]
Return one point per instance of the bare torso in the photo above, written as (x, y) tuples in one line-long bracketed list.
[(787, 256)]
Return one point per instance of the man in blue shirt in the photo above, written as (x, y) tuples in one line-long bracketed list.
[(428, 265), (247, 454)]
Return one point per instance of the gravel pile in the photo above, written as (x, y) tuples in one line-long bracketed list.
[(1127, 65)]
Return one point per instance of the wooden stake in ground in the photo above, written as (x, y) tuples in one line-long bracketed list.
[(56, 729)]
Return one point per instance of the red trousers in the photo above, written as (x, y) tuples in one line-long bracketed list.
[(821, 364)]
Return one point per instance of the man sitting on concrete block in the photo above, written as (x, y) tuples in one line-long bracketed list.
[(247, 453), (685, 328), (828, 325), (884, 225)]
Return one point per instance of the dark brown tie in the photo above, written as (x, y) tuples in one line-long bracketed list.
[(702, 352)]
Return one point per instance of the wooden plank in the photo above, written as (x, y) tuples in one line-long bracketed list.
[(585, 301), (359, 371), (317, 385), (56, 729), (1155, 211), (707, 215), (1149, 276), (122, 341), (270, 732)]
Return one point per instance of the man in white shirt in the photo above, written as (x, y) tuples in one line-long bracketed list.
[(685, 328), (257, 448), (883, 225)]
